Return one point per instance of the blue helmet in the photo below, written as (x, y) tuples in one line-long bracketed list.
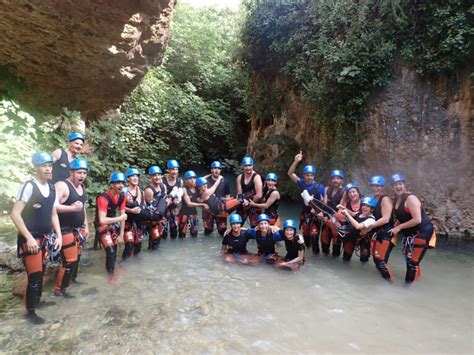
[(289, 223), (40, 158), (352, 185), (235, 218), (397, 177), (154, 170), (172, 164), (78, 163), (74, 136), (132, 171), (309, 169), (216, 165), (272, 176), (190, 174), (201, 181), (263, 217), (247, 161), (377, 180), (117, 176), (337, 173), (369, 201)]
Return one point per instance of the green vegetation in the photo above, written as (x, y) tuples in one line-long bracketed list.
[(190, 109), (335, 53)]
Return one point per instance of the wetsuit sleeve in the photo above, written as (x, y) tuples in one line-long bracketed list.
[(102, 204), (277, 237), (25, 192), (251, 233)]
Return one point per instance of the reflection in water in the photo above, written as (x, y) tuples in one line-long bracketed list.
[(183, 298)]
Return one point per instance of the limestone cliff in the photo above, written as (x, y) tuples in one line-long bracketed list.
[(85, 55), (420, 127)]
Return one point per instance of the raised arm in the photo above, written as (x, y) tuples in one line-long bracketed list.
[(292, 169), (208, 193)]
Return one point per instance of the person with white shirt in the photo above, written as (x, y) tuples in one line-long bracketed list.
[(34, 214)]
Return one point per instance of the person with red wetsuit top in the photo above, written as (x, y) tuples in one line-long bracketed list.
[(249, 186), (310, 222), (361, 221), (172, 180), (332, 197), (108, 226), (222, 192), (137, 214), (72, 198), (266, 237), (188, 217), (381, 244), (35, 216), (294, 244), (413, 224), (234, 243), (270, 200), (156, 202), (216, 205), (62, 158)]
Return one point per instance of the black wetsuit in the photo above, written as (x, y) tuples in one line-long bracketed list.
[(293, 247), (236, 245)]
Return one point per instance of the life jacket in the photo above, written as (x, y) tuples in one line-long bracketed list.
[(38, 211), (71, 220), (272, 210), (61, 168), (185, 209), (333, 201), (424, 229), (378, 215), (111, 206), (179, 183), (248, 190)]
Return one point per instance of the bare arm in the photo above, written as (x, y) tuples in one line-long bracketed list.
[(238, 185), (148, 195), (274, 196), (414, 206), (205, 196), (189, 203), (62, 192), (103, 219), (258, 188), (292, 169), (325, 198), (357, 225), (56, 154), (387, 207), (15, 215), (57, 228)]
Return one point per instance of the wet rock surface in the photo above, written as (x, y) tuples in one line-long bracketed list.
[(84, 55), (423, 128)]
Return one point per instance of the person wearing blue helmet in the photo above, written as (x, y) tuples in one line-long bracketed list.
[(309, 222), (157, 202), (249, 186), (222, 192), (414, 225), (234, 243), (333, 195), (72, 215), (62, 158), (109, 228), (382, 243), (35, 216), (217, 206), (266, 239), (188, 217), (172, 180), (137, 215), (359, 231), (270, 200), (351, 200), (294, 244)]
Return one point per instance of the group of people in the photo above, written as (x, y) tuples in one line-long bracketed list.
[(51, 218)]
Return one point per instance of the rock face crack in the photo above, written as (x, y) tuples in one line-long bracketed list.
[(85, 55)]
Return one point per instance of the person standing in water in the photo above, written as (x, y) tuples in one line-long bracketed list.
[(72, 214), (62, 158), (270, 199), (35, 216), (413, 224), (172, 180), (250, 187), (188, 217), (222, 192), (309, 222)]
